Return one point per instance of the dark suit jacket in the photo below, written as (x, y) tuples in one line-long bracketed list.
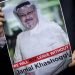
[(5, 64)]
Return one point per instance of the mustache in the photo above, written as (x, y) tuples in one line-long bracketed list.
[(28, 19)]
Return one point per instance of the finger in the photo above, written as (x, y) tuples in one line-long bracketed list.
[(2, 19), (0, 9), (72, 64), (1, 30), (1, 24), (1, 14)]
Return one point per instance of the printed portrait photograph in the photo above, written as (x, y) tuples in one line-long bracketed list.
[(35, 27)]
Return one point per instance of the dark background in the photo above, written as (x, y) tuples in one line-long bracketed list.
[(2, 0), (68, 7)]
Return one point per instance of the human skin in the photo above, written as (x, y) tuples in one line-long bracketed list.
[(1, 23), (73, 60)]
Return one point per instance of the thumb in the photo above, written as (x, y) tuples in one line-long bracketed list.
[(72, 63)]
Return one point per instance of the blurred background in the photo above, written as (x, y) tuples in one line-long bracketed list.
[(50, 9)]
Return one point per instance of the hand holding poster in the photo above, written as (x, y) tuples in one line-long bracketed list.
[(38, 43)]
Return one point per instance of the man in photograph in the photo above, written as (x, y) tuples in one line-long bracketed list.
[(40, 36)]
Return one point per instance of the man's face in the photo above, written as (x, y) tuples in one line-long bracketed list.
[(28, 17)]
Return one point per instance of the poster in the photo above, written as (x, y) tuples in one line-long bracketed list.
[(37, 38)]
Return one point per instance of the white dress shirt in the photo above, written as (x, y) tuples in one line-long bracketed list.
[(43, 38)]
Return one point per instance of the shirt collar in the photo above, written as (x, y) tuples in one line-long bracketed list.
[(35, 29)]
